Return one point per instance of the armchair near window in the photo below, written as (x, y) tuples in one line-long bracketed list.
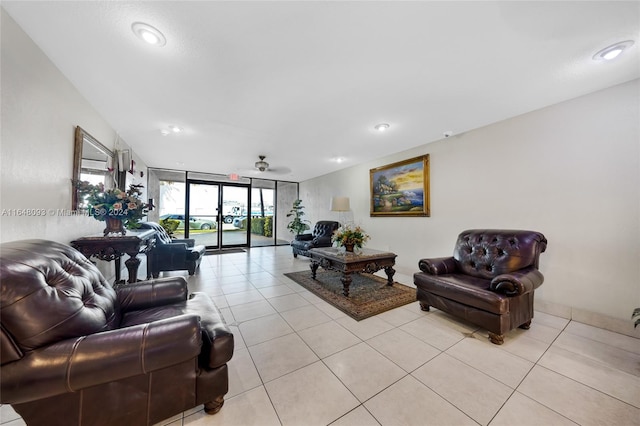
[(319, 237), (489, 281), (172, 255), (76, 351)]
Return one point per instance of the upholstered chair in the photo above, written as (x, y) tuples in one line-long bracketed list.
[(319, 237), (489, 281), (172, 255), (77, 351)]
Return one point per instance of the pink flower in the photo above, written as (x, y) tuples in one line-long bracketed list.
[(117, 206)]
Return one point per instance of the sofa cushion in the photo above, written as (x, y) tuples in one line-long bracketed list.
[(468, 290)]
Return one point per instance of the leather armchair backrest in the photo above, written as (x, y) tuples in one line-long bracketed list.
[(325, 228), (161, 234), (50, 292), (487, 253)]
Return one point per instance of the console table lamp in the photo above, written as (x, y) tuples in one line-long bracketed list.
[(340, 204)]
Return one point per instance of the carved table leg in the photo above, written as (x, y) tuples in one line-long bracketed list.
[(132, 265), (346, 282), (314, 268), (390, 273), (117, 263)]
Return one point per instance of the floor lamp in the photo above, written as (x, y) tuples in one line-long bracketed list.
[(341, 205)]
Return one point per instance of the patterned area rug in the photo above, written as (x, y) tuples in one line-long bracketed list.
[(368, 294)]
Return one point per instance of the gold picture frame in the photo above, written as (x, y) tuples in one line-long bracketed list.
[(401, 189)]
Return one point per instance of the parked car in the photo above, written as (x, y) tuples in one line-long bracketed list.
[(194, 222)]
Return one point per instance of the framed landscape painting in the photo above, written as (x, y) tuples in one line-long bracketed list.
[(401, 189)]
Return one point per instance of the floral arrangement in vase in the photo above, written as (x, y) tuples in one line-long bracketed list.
[(116, 207), (350, 237)]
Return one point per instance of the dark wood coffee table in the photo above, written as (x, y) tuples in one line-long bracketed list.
[(367, 260)]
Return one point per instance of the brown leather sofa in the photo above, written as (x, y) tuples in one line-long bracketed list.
[(489, 281), (319, 237), (76, 351), (172, 255)]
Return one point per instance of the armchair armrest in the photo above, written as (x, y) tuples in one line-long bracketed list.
[(74, 364), (304, 237), (324, 241), (190, 242), (146, 294), (172, 248), (518, 282), (438, 265)]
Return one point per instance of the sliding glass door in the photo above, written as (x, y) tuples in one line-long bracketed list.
[(216, 212)]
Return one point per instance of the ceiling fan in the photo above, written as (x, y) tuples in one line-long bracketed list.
[(262, 166)]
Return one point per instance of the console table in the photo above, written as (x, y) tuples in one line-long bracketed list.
[(367, 260), (113, 248)]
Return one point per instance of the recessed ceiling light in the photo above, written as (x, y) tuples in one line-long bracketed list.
[(613, 51), (164, 132), (381, 127), (175, 129), (148, 34)]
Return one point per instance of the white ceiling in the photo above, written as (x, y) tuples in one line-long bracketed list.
[(305, 82)]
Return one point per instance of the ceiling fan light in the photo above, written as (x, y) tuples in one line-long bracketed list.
[(261, 165)]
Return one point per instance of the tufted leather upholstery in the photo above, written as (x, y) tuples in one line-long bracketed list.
[(76, 351), (173, 255), (489, 281), (319, 237)]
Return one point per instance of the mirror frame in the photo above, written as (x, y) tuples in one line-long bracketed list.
[(80, 136)]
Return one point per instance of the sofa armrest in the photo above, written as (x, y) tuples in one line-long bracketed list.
[(190, 242), (438, 265), (518, 282), (146, 294), (74, 364), (217, 338)]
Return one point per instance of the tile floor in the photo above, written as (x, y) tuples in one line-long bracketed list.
[(299, 361)]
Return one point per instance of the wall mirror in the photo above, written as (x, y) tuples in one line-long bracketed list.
[(92, 162)]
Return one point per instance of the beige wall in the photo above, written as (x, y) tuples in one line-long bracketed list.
[(571, 171), (40, 111)]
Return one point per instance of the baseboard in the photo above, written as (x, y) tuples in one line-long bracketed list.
[(606, 322)]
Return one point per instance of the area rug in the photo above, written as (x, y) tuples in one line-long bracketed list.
[(368, 294)]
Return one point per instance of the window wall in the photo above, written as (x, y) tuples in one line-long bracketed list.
[(222, 212)]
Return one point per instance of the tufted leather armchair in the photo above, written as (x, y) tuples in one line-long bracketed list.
[(319, 237), (76, 351), (489, 281), (172, 255)]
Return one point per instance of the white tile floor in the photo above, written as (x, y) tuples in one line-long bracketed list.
[(300, 361)]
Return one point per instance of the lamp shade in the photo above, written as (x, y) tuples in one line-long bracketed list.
[(340, 204)]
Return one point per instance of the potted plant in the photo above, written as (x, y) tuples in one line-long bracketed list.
[(350, 237), (297, 226)]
